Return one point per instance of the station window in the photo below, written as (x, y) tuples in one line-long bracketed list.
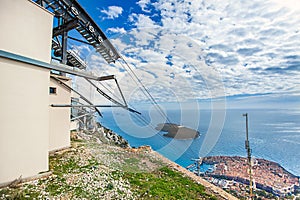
[(52, 90)]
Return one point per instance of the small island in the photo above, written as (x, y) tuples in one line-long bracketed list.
[(177, 131)]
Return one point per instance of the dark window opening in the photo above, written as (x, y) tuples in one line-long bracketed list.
[(52, 90)]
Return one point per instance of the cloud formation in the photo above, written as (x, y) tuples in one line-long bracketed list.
[(113, 12), (144, 5), (198, 49), (116, 30)]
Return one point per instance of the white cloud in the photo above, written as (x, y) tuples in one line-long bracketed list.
[(144, 5), (116, 30), (291, 4), (204, 49), (113, 12), (142, 21)]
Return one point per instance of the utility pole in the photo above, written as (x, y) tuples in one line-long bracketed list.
[(198, 162), (247, 147)]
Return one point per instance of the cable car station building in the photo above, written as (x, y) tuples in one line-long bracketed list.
[(31, 125)]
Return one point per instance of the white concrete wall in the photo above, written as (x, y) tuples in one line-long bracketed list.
[(26, 29), (59, 136), (24, 120)]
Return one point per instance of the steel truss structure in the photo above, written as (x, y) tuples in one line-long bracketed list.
[(70, 15)]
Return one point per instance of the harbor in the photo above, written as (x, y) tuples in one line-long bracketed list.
[(173, 82), (231, 171)]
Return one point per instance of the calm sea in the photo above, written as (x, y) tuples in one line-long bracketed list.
[(274, 134)]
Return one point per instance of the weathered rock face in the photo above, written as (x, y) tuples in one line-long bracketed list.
[(177, 131), (105, 135), (116, 139)]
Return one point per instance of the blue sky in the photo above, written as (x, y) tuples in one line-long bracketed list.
[(246, 51)]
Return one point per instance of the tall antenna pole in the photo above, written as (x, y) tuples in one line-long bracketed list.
[(198, 162), (247, 147)]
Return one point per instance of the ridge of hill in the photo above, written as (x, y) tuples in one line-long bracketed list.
[(96, 167)]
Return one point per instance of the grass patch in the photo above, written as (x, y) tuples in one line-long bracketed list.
[(66, 167), (165, 183), (79, 174), (24, 192)]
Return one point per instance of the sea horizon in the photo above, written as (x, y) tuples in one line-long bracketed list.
[(273, 135)]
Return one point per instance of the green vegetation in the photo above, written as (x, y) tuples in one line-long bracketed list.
[(165, 183), (90, 171)]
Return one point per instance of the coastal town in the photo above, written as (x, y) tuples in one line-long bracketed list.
[(66, 72), (232, 174)]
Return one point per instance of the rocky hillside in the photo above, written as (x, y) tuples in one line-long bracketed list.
[(96, 167)]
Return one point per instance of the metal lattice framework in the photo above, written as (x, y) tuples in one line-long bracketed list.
[(70, 15)]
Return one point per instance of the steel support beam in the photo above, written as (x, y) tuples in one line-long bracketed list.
[(93, 106), (78, 40), (104, 78), (53, 66), (64, 69), (80, 95), (84, 106), (125, 106), (65, 27), (105, 95), (64, 47)]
